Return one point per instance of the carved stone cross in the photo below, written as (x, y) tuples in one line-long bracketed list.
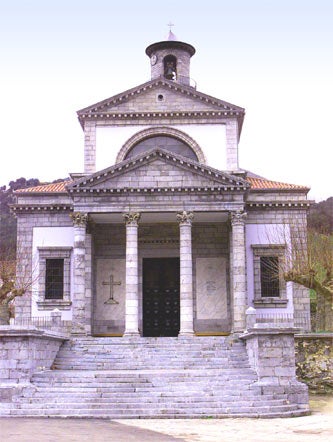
[(111, 283)]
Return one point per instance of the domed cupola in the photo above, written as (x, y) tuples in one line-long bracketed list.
[(170, 59)]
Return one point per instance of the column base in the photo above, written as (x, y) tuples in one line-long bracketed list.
[(78, 328), (186, 334), (238, 330), (129, 334)]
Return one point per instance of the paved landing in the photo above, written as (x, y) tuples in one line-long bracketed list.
[(76, 430)]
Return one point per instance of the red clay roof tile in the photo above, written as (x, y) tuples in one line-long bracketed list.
[(256, 184), (263, 184), (46, 188)]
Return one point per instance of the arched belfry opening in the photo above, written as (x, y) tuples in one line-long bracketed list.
[(170, 67), (170, 59)]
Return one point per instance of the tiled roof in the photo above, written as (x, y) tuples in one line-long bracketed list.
[(263, 184), (256, 184), (47, 188)]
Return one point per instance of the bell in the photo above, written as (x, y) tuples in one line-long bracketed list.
[(170, 74)]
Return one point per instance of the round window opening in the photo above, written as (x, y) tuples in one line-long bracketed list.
[(160, 97)]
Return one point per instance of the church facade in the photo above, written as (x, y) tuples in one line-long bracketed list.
[(163, 233)]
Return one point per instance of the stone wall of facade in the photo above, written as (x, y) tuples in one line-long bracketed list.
[(25, 225), (297, 219)]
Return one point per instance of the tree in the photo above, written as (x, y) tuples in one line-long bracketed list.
[(12, 284), (7, 220), (308, 261), (311, 263), (320, 217)]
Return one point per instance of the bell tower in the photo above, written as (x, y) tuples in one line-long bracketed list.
[(170, 59)]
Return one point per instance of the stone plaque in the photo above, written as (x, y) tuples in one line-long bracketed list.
[(211, 288), (110, 289)]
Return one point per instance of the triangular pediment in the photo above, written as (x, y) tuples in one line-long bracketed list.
[(159, 96), (158, 170)]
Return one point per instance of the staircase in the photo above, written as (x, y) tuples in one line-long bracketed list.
[(148, 378)]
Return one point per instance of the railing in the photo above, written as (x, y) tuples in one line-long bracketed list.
[(277, 319), (53, 323)]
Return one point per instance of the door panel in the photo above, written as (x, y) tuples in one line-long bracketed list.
[(161, 288)]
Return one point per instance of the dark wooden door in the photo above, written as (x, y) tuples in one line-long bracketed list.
[(161, 285)]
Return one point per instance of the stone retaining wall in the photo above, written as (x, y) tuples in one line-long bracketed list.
[(22, 352), (271, 354), (314, 361)]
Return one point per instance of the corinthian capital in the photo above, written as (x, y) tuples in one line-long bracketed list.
[(79, 219), (238, 217), (132, 218), (185, 217)]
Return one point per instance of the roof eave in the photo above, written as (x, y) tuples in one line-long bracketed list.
[(279, 189)]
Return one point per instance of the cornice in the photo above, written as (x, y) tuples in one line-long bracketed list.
[(155, 114), (278, 205), (159, 190), (40, 208)]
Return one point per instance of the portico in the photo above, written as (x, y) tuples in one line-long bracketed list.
[(210, 298)]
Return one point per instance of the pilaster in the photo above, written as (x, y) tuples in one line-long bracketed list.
[(232, 144), (90, 147)]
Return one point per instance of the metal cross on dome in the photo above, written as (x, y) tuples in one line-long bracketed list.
[(170, 24)]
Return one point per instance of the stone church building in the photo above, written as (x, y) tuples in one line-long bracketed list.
[(161, 263), (163, 234)]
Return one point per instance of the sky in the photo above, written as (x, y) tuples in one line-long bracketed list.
[(272, 57)]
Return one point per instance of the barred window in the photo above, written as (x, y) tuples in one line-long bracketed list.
[(54, 279), (269, 276), (269, 285)]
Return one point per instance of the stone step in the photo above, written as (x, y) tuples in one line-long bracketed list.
[(150, 397), (81, 365), (87, 414), (179, 356), (113, 350), (155, 406), (162, 412), (119, 375), (159, 362), (146, 383), (150, 377)]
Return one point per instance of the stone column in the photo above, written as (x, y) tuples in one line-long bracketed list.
[(186, 278), (238, 264), (132, 280), (79, 291)]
